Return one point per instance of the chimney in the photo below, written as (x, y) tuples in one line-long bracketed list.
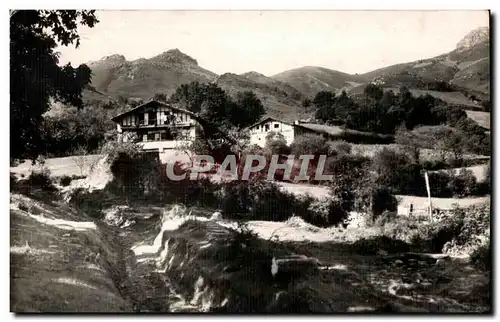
[(296, 122)]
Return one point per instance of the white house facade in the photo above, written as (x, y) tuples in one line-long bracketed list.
[(260, 130)]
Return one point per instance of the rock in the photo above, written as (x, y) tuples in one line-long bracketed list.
[(294, 265), (441, 262), (382, 252), (360, 309), (407, 280), (216, 216), (398, 262)]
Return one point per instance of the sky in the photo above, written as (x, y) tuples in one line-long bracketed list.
[(271, 42)]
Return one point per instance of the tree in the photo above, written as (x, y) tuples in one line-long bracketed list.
[(409, 141), (343, 106), (397, 172), (306, 102), (309, 144), (324, 101), (248, 109), (36, 77), (276, 143), (190, 96), (374, 91), (162, 97), (80, 158), (224, 119), (456, 143)]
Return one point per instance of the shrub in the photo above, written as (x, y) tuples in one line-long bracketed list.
[(65, 181), (339, 147), (257, 200), (276, 143), (350, 180), (91, 203), (371, 246), (440, 184), (135, 174), (434, 236), (383, 200), (40, 179), (484, 187), (309, 144), (325, 213), (463, 184), (398, 173), (481, 257)]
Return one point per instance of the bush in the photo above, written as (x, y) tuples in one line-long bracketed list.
[(383, 200), (371, 246), (40, 179), (309, 144), (135, 174), (481, 257), (339, 147), (276, 143), (325, 213), (434, 236), (464, 184), (440, 184), (398, 173), (92, 203), (257, 200), (66, 180)]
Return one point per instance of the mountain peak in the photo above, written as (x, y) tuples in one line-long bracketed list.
[(114, 57), (474, 38), (111, 60), (252, 74), (175, 56)]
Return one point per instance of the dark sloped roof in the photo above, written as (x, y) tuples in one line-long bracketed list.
[(321, 128), (154, 102), (267, 118)]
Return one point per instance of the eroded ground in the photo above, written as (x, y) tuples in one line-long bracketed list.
[(149, 259)]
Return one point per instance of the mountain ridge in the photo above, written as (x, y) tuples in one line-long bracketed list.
[(465, 69)]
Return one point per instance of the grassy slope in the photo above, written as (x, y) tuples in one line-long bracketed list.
[(60, 261), (482, 118), (310, 80), (279, 99)]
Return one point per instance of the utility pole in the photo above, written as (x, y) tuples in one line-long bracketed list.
[(428, 194)]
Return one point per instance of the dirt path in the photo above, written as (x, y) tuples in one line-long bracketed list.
[(404, 201)]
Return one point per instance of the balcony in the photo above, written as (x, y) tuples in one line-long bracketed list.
[(155, 123)]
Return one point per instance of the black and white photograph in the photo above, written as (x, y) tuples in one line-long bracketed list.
[(250, 161)]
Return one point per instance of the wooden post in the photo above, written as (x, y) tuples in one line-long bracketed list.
[(428, 194)]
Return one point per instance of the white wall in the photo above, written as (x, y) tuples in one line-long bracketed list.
[(259, 132), (162, 145)]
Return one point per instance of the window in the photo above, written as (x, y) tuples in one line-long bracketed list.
[(151, 136), (157, 136), (151, 118), (276, 125), (145, 138), (267, 127), (141, 119)]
